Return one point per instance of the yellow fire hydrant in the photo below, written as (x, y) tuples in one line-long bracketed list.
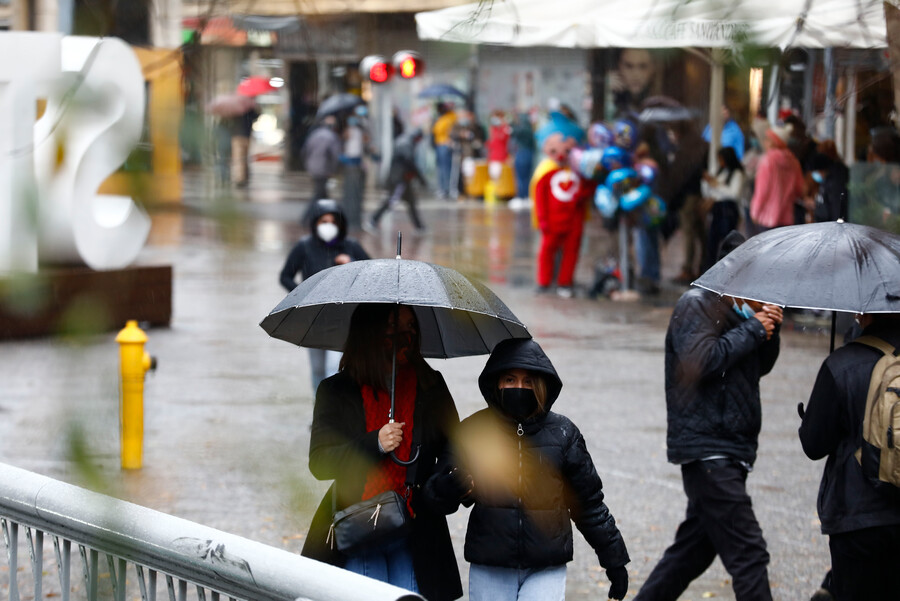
[(134, 362)]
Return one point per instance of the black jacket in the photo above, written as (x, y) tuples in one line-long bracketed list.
[(341, 449), (832, 427), (714, 361), (311, 254), (529, 487)]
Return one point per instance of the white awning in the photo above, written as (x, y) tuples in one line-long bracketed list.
[(660, 23)]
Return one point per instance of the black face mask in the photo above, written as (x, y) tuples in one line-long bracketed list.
[(519, 403)]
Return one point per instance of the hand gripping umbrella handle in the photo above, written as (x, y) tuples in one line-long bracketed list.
[(410, 461)]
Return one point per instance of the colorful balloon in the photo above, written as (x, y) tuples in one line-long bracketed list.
[(653, 212), (620, 181), (615, 158), (635, 197), (605, 202), (648, 172), (625, 134), (599, 136)]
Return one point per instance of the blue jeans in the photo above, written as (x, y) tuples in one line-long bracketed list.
[(323, 364), (646, 244), (523, 165), (391, 563), (490, 583), (444, 160)]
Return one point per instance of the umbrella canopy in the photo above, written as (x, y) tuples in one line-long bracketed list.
[(254, 86), (660, 23), (833, 266), (229, 105), (457, 316), (667, 114), (337, 103), (438, 90)]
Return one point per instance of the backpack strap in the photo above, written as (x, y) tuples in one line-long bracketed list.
[(877, 343)]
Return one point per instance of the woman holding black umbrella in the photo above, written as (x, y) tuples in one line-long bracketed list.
[(355, 443)]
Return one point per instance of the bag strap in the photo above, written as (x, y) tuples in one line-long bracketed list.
[(877, 343)]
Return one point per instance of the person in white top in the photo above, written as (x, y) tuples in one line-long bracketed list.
[(722, 192)]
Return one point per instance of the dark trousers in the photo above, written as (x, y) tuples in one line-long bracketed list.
[(320, 188), (864, 564), (719, 521), (725, 216), (403, 191)]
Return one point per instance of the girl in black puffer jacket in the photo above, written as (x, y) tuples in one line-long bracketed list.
[(528, 473)]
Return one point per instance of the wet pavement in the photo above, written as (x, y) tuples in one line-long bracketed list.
[(227, 412)]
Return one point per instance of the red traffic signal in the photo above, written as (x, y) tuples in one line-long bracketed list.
[(408, 64), (376, 68)]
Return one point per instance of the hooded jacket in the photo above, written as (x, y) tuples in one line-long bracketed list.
[(714, 361), (547, 478), (312, 254), (832, 427)]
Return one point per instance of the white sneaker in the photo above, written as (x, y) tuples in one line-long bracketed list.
[(565, 292)]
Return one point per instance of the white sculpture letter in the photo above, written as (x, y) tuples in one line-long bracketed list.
[(50, 170), (93, 122), (31, 63)]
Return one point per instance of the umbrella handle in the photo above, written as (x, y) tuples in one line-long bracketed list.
[(399, 240), (413, 459)]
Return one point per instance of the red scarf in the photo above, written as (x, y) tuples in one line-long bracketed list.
[(386, 474)]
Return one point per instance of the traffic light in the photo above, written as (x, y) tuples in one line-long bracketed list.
[(408, 64), (376, 68)]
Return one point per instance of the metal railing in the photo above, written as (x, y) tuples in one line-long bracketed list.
[(143, 547)]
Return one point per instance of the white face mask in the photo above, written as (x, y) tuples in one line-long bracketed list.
[(327, 231)]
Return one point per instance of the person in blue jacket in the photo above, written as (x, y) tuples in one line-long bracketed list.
[(325, 246), (732, 134)]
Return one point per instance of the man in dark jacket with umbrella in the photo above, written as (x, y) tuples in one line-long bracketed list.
[(717, 349), (862, 522), (325, 246)]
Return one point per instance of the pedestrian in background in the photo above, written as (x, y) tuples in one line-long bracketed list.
[(351, 440), (523, 141), (527, 474), (321, 155), (682, 190), (829, 198), (242, 130), (722, 193), (778, 186), (400, 181), (443, 146), (325, 246), (497, 145), (356, 140), (862, 522), (732, 134), (717, 349)]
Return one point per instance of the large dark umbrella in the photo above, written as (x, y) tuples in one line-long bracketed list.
[(833, 266), (338, 103), (457, 316), (438, 90)]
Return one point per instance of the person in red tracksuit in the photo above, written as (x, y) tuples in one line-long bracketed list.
[(560, 208)]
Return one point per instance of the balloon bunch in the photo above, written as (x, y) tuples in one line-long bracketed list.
[(626, 184)]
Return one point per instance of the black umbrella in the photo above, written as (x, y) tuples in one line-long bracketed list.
[(832, 266), (438, 90), (338, 103), (458, 317)]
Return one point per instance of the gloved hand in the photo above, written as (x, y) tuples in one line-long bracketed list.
[(618, 582), (453, 483)]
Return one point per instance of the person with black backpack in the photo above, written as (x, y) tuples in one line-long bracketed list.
[(859, 497)]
